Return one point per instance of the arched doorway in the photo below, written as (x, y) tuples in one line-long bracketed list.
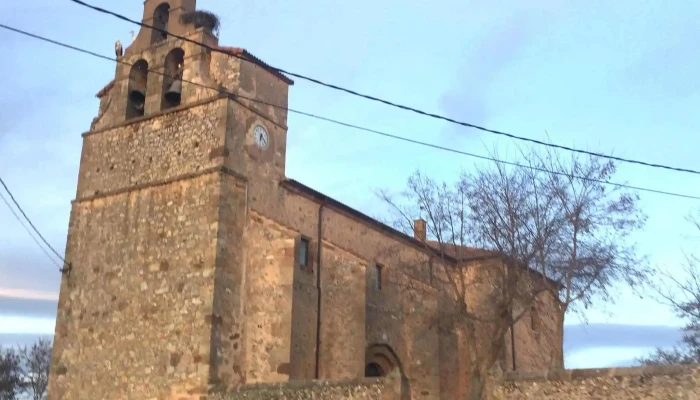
[(381, 360), (374, 370)]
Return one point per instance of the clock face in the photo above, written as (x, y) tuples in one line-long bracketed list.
[(261, 137)]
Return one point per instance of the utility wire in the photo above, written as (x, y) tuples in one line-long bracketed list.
[(32, 225), (390, 103), (26, 228), (361, 128)]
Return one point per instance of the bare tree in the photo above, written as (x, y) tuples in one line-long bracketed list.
[(464, 294), (682, 294), (590, 250), (36, 361), (557, 231), (11, 383)]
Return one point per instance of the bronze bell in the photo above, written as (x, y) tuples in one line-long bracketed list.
[(137, 98), (174, 94)]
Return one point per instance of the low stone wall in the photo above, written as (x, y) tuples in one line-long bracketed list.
[(365, 389), (653, 382)]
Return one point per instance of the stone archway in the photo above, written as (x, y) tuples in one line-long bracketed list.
[(381, 360)]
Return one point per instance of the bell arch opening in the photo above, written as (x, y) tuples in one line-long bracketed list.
[(161, 17), (172, 78), (136, 92)]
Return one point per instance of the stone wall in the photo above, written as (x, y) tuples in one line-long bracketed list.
[(654, 382), (164, 148), (359, 389), (537, 339), (135, 312), (269, 270)]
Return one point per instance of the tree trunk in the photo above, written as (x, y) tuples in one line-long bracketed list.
[(480, 368), (558, 356), (476, 385)]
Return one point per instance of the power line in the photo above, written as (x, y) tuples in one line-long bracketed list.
[(361, 128), (390, 103), (34, 227), (29, 232)]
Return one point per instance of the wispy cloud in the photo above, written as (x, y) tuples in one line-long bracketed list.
[(581, 337), (19, 293), (488, 56), (28, 308), (614, 345), (22, 325), (483, 61), (21, 339)]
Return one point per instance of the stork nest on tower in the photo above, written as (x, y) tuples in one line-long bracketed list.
[(202, 19)]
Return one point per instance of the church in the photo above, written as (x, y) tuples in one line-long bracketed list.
[(195, 261)]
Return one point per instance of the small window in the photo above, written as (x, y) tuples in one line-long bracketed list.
[(378, 276), (304, 253), (534, 319)]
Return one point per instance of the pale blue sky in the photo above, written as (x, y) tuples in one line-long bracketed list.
[(605, 76)]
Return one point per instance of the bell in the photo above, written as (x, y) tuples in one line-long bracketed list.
[(137, 98), (173, 95)]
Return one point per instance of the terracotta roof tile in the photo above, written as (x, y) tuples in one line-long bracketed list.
[(461, 252), (465, 253)]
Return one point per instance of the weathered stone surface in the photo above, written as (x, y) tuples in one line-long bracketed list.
[(268, 311), (147, 153), (653, 382), (132, 312), (364, 389)]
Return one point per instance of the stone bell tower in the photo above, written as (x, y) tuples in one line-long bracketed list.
[(151, 307)]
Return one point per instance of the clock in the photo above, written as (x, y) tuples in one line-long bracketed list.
[(262, 139)]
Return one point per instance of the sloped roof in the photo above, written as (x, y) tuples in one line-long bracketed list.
[(105, 89), (465, 253), (243, 53), (462, 252), (454, 254)]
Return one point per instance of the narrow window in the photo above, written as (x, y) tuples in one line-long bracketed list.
[(534, 319), (378, 276), (304, 253)]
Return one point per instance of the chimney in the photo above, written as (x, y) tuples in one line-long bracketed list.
[(419, 229)]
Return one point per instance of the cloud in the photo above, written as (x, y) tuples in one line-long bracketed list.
[(26, 325), (25, 267), (28, 308), (584, 337), (614, 345), (21, 339), (608, 357), (18, 293), (491, 55), (483, 62)]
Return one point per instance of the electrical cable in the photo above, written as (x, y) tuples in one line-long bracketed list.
[(369, 130), (29, 231), (390, 103), (12, 197)]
